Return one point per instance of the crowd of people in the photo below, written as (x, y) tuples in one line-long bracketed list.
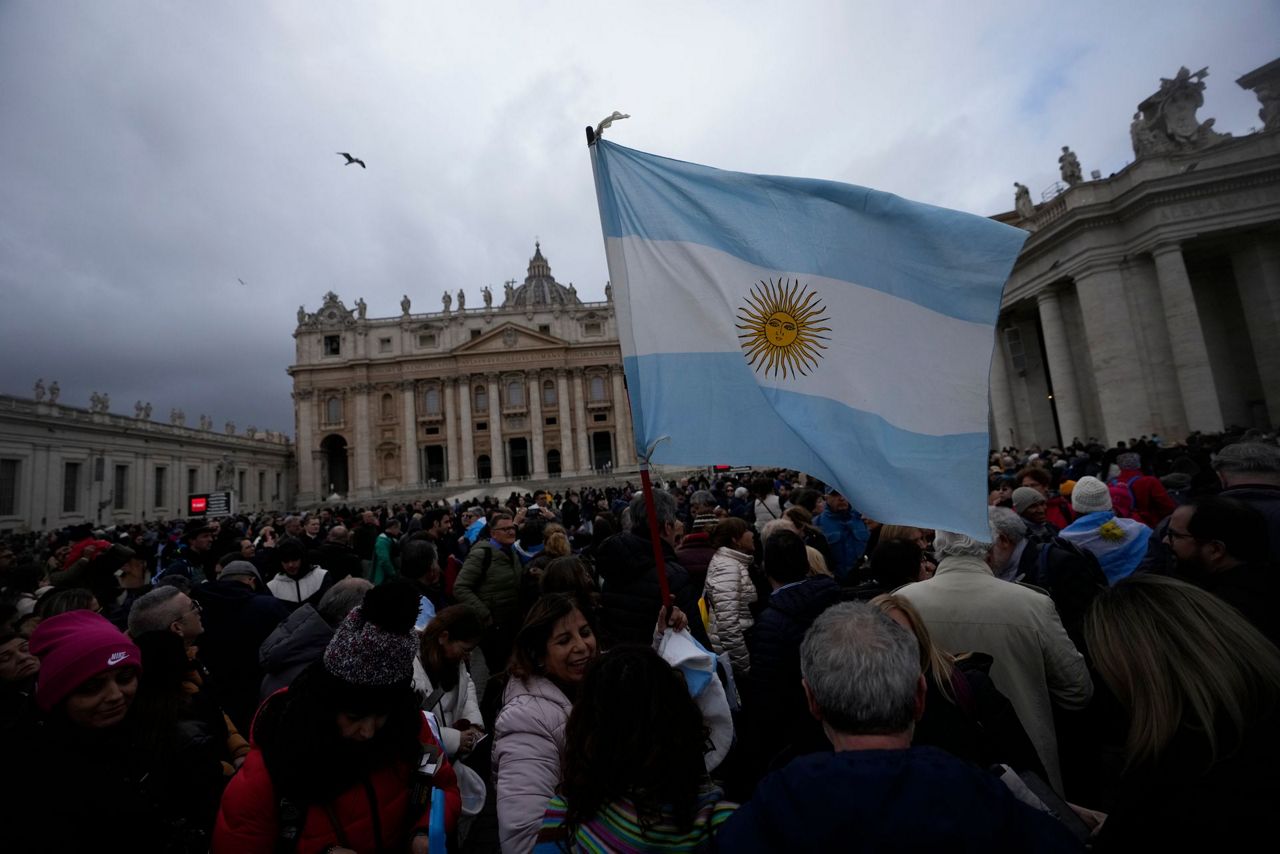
[(491, 675)]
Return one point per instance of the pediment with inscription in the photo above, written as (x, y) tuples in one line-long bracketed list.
[(510, 338)]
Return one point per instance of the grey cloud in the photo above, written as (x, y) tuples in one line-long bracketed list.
[(153, 153)]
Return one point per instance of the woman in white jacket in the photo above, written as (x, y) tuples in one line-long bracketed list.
[(730, 592), (440, 675)]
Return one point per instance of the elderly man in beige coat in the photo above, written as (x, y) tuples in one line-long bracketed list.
[(967, 609)]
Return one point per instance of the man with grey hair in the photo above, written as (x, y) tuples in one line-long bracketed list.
[(1071, 576), (695, 550), (166, 609), (876, 792), (1250, 472), (967, 608), (631, 593), (702, 510), (302, 638)]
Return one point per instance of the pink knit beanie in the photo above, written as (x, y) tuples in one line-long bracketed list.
[(75, 647)]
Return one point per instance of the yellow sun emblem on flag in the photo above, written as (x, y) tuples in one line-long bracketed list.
[(780, 331)]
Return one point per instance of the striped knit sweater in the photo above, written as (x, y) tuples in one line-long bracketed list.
[(616, 829)]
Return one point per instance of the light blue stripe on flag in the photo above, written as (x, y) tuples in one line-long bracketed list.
[(952, 262), (690, 248), (877, 464)]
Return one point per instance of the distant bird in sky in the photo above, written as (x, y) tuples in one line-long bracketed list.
[(351, 160), (240, 280)]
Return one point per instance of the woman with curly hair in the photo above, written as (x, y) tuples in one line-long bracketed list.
[(634, 775)]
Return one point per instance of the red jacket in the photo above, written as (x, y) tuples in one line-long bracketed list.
[(1151, 503), (248, 820), (1058, 512)]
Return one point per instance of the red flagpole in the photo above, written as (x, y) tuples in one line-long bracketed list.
[(659, 562)]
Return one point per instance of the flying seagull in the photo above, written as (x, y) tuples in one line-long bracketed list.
[(351, 159), (240, 280)]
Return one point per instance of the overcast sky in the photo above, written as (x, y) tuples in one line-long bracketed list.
[(151, 154)]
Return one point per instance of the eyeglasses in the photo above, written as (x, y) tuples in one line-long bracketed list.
[(504, 528), (1174, 536), (196, 607)]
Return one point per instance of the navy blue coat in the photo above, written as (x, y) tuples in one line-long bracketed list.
[(236, 622), (920, 799), (778, 723)]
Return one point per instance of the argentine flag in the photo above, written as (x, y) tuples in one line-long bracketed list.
[(807, 324)]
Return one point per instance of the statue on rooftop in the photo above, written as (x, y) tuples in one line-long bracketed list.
[(1166, 121), (1069, 166), (1022, 201)]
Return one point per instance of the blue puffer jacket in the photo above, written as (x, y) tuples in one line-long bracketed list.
[(888, 800)]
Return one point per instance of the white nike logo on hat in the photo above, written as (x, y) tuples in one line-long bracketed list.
[(116, 658)]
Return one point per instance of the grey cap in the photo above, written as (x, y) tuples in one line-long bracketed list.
[(241, 569)]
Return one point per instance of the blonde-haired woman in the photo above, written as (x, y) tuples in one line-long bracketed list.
[(1202, 687), (817, 563), (964, 713), (555, 544)]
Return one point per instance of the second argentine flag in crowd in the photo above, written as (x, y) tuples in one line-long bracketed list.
[(840, 331)]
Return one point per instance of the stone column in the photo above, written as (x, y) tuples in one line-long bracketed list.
[(362, 480), (1257, 272), (448, 404), (567, 466), (1002, 406), (409, 448), (1190, 356), (1142, 295), (304, 405), (1113, 353), (464, 412), (537, 465), (1062, 372), (580, 422), (625, 445), (497, 453)]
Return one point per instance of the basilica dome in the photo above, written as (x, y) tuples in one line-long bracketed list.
[(540, 288)]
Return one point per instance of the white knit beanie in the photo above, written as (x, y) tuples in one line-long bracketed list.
[(1090, 496)]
